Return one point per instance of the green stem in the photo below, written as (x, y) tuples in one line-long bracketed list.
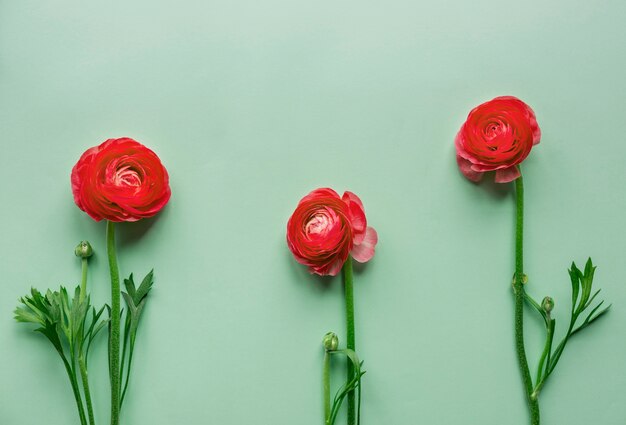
[(541, 370), (518, 289), (85, 379), (326, 380), (350, 342), (75, 389), (83, 280), (114, 341)]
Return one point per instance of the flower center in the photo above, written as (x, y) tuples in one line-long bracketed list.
[(319, 224), (127, 176), (493, 130)]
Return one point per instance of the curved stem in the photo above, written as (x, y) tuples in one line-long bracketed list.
[(114, 337), (84, 377), (350, 341), (518, 289), (326, 380)]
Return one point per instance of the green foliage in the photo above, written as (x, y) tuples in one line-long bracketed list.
[(71, 325), (135, 299), (65, 322), (354, 384), (582, 300)]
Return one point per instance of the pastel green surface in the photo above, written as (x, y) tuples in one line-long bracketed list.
[(251, 105)]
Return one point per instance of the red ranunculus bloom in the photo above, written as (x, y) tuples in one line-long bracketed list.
[(325, 228), (497, 136), (120, 180)]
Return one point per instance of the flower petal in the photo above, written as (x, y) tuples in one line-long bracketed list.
[(507, 175), (365, 250), (357, 216), (334, 269), (466, 168)]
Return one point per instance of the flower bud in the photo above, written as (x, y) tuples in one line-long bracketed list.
[(83, 250), (547, 304), (330, 341)]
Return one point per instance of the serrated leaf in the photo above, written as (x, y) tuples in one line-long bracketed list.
[(27, 316)]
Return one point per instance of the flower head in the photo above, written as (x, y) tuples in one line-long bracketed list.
[(496, 136), (325, 228), (120, 180)]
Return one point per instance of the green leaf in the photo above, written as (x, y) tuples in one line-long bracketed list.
[(134, 323), (353, 384), (580, 280), (145, 287), (53, 336), (573, 274), (591, 319), (135, 299), (27, 315), (130, 286), (130, 303)]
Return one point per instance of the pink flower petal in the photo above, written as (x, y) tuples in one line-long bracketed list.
[(365, 250), (507, 175), (357, 216), (466, 168), (335, 268)]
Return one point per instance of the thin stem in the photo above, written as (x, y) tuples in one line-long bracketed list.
[(75, 389), (114, 342), (83, 280), (350, 341), (326, 380), (518, 289), (546, 349), (85, 379)]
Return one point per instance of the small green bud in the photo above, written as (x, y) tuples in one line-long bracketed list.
[(330, 341), (83, 250), (547, 304)]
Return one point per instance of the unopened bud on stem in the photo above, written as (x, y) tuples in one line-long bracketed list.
[(330, 341), (83, 250), (547, 304)]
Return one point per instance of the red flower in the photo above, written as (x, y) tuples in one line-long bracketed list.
[(497, 136), (120, 180), (324, 229)]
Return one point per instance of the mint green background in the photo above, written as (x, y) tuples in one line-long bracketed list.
[(251, 105)]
